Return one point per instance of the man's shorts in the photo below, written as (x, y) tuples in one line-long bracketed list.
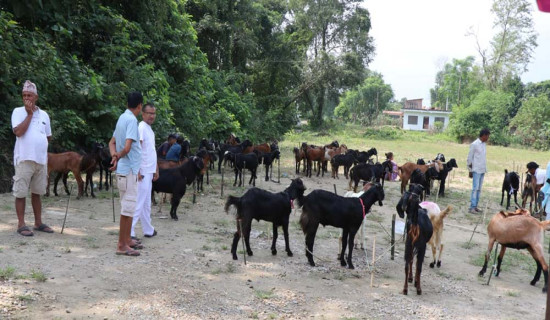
[(30, 174), (128, 189)]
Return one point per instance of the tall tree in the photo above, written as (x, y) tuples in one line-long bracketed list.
[(337, 37), (513, 44)]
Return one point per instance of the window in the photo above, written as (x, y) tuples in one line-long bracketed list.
[(439, 119), (412, 120)]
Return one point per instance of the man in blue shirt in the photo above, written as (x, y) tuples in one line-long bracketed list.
[(175, 150), (126, 153)]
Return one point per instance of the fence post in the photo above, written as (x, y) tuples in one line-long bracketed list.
[(223, 170), (393, 236)]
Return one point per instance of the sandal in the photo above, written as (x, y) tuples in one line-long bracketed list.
[(44, 228), (25, 231), (129, 253)]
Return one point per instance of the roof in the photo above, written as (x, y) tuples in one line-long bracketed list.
[(426, 111), (393, 113)]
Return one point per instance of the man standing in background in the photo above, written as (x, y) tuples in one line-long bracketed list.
[(126, 153), (31, 126), (477, 167), (149, 172)]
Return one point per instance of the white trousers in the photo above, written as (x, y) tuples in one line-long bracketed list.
[(143, 205)]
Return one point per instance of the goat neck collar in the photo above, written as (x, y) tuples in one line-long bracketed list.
[(362, 206)]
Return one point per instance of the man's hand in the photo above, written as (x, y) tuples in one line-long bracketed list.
[(470, 174), (114, 161), (29, 106), (155, 176)]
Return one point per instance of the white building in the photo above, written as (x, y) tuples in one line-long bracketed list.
[(415, 117)]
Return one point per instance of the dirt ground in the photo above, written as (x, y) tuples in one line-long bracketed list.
[(186, 272)]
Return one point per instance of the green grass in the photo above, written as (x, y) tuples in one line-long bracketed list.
[(263, 294), (7, 273), (512, 293), (229, 268), (91, 242), (38, 276), (25, 298), (513, 259)]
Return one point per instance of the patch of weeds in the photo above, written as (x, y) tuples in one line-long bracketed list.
[(386, 276), (263, 294), (1, 249), (254, 315), (38, 275), (91, 242), (225, 248), (92, 216), (217, 240), (478, 260), (22, 243), (272, 316), (199, 231), (513, 293), (240, 252), (296, 225), (229, 268), (375, 218), (464, 245), (221, 223), (7, 273), (25, 297), (7, 207), (112, 233), (206, 248)]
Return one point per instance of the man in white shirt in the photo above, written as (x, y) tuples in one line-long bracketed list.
[(477, 167), (148, 172), (31, 126)]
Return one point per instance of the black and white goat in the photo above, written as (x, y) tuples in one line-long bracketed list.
[(263, 205), (419, 231), (326, 208)]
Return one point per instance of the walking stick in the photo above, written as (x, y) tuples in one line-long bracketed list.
[(242, 240), (494, 264), (67, 209), (113, 200)]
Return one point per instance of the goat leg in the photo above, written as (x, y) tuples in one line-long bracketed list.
[(287, 244), (406, 285), (345, 236), (236, 238), (499, 259), (275, 235), (351, 237), (439, 258), (411, 270), (310, 239)]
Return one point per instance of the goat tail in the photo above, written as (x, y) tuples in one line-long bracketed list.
[(414, 233), (445, 212), (235, 201)]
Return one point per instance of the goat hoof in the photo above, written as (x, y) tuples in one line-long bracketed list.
[(439, 264), (234, 257), (419, 292), (311, 263), (289, 253), (544, 289), (343, 263), (432, 265), (405, 292), (351, 266), (533, 282), (250, 253), (274, 252), (410, 280)]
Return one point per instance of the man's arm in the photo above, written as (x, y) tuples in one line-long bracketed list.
[(470, 157), (23, 126)]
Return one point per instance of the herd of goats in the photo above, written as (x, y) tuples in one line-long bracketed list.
[(424, 219)]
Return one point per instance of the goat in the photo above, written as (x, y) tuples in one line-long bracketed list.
[(366, 172), (63, 163), (443, 173), (262, 148), (436, 217), (104, 166), (175, 181), (208, 158), (263, 205), (267, 160), (510, 185), (327, 208), (299, 156), (407, 169), (364, 156), (351, 194), (89, 163), (518, 230), (231, 148), (530, 190), (345, 160), (244, 161), (419, 232)]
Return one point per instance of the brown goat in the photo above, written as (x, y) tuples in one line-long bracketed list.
[(299, 156), (63, 163), (314, 154), (518, 230), (407, 169)]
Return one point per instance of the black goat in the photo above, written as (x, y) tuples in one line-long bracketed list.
[(346, 160), (420, 161), (327, 208), (419, 232), (176, 180), (442, 175), (267, 160), (241, 162), (364, 156), (223, 148), (263, 205), (104, 166), (510, 185), (366, 172)]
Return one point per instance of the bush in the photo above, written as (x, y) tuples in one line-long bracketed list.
[(384, 133)]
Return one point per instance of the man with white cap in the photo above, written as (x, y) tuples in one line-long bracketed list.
[(31, 126)]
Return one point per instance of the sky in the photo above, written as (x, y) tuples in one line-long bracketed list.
[(414, 40)]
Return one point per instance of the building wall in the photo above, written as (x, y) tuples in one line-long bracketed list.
[(419, 125)]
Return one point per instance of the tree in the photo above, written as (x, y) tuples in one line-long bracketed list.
[(532, 122), (457, 84), (513, 44), (367, 101), (336, 33)]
